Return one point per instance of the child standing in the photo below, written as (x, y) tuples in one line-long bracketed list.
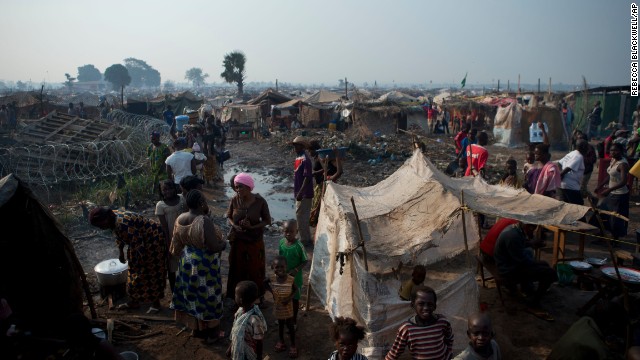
[(249, 325), (510, 177), (417, 278), (296, 256), (428, 335), (282, 287), (200, 160), (482, 346), (346, 333), (167, 210)]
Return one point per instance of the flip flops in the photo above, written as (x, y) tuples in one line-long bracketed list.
[(293, 352), (540, 314), (153, 310)]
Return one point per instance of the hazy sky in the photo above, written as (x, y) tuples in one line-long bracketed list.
[(306, 41)]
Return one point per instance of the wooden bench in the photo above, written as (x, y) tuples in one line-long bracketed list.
[(485, 261)]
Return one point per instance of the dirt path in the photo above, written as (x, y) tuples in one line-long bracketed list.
[(520, 335)]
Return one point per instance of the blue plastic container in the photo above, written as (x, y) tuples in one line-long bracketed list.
[(342, 151), (181, 121)]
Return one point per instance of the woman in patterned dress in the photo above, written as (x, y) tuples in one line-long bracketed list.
[(197, 297), (146, 253)]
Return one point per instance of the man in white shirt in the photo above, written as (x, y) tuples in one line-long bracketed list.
[(572, 172), (181, 163)]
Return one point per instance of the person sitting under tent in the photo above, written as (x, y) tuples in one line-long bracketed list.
[(517, 266)]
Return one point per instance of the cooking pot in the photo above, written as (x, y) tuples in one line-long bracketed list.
[(111, 272)]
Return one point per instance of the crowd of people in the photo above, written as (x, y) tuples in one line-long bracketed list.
[(184, 245)]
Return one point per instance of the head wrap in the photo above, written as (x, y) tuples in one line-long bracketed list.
[(244, 179), (101, 217)]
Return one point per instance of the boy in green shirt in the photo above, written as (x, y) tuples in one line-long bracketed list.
[(292, 249)]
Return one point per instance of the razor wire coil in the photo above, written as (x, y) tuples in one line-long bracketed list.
[(52, 164)]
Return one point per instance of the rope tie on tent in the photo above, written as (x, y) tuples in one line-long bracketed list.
[(343, 256)]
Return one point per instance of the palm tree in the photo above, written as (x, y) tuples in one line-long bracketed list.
[(234, 69)]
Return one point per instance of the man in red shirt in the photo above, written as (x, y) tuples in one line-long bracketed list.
[(477, 156), (489, 242), (461, 135)]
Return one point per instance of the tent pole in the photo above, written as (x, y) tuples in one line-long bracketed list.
[(307, 300), (464, 229), (364, 251)]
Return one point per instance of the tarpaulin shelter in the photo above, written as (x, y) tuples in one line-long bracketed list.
[(267, 99), (413, 216), (397, 97), (178, 102), (241, 113), (316, 115), (323, 97), (558, 135), (40, 275), (507, 127)]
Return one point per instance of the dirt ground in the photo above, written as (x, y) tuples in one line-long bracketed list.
[(519, 334)]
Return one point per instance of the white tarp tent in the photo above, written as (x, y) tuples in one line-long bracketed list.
[(506, 126), (412, 216)]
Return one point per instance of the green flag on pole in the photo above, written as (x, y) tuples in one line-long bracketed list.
[(464, 81)]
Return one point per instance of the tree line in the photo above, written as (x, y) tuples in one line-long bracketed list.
[(137, 73)]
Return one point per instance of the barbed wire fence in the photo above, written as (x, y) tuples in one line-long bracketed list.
[(47, 167)]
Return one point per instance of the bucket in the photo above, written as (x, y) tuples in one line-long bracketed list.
[(129, 355), (181, 121), (635, 169), (565, 274)]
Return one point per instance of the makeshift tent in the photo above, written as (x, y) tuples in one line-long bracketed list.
[(558, 135), (507, 129), (316, 115), (40, 275), (179, 102), (397, 97), (413, 216), (242, 113), (323, 97), (269, 97)]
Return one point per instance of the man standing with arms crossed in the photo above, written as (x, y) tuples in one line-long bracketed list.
[(303, 188)]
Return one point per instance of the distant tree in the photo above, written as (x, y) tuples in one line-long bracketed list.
[(89, 73), (3, 85), (21, 86), (196, 76), (118, 76), (169, 85), (142, 74), (340, 83), (234, 72), (69, 82)]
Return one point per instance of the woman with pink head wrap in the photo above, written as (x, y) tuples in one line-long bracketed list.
[(248, 214), (244, 179)]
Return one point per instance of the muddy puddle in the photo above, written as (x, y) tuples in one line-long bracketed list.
[(273, 187)]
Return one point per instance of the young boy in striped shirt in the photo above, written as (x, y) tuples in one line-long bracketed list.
[(428, 335)]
